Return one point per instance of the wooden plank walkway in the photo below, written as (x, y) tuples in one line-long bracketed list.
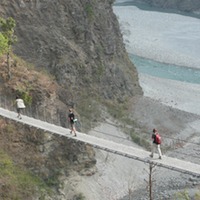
[(107, 145)]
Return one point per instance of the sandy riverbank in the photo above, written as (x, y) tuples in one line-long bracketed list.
[(168, 38), (164, 37), (180, 95), (161, 37)]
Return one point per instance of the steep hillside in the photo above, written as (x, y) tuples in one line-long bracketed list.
[(35, 154), (79, 42), (74, 56)]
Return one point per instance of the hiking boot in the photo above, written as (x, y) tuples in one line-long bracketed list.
[(151, 155), (160, 157)]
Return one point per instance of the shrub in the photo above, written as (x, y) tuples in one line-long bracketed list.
[(25, 96), (79, 196), (89, 11), (3, 44), (21, 184)]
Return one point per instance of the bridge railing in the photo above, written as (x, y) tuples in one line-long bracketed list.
[(40, 112)]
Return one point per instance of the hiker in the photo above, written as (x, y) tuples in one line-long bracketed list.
[(71, 119), (19, 105), (156, 143)]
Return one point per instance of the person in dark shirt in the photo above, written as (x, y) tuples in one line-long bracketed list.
[(71, 118)]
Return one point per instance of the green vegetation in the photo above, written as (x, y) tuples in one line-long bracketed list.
[(7, 30), (3, 44), (138, 139), (89, 111), (197, 196), (18, 183), (45, 72), (117, 111), (17, 61), (53, 180), (79, 196), (25, 96), (98, 72), (184, 195), (9, 128), (89, 11)]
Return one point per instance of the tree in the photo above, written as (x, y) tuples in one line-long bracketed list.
[(3, 44), (151, 180), (7, 30)]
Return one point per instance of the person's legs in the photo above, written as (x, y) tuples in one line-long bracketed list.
[(74, 129), (71, 127), (159, 151), (19, 113)]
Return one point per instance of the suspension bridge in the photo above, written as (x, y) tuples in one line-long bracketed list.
[(107, 145)]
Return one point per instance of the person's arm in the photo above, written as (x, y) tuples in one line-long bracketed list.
[(153, 137)]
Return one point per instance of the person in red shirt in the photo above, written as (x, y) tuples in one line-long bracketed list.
[(156, 141)]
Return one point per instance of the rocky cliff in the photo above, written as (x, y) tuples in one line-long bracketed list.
[(49, 157), (79, 42), (80, 45)]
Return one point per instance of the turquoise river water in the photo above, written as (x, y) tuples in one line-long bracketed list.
[(167, 71)]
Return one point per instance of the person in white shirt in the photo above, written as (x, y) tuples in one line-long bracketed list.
[(20, 105)]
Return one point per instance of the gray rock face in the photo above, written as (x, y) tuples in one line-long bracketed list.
[(79, 42)]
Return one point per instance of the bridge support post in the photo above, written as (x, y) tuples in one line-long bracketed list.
[(150, 181)]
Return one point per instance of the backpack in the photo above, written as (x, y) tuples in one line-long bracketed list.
[(158, 139)]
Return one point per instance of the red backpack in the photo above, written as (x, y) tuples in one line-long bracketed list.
[(158, 139)]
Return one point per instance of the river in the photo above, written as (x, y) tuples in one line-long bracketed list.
[(169, 38), (167, 71), (165, 49)]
